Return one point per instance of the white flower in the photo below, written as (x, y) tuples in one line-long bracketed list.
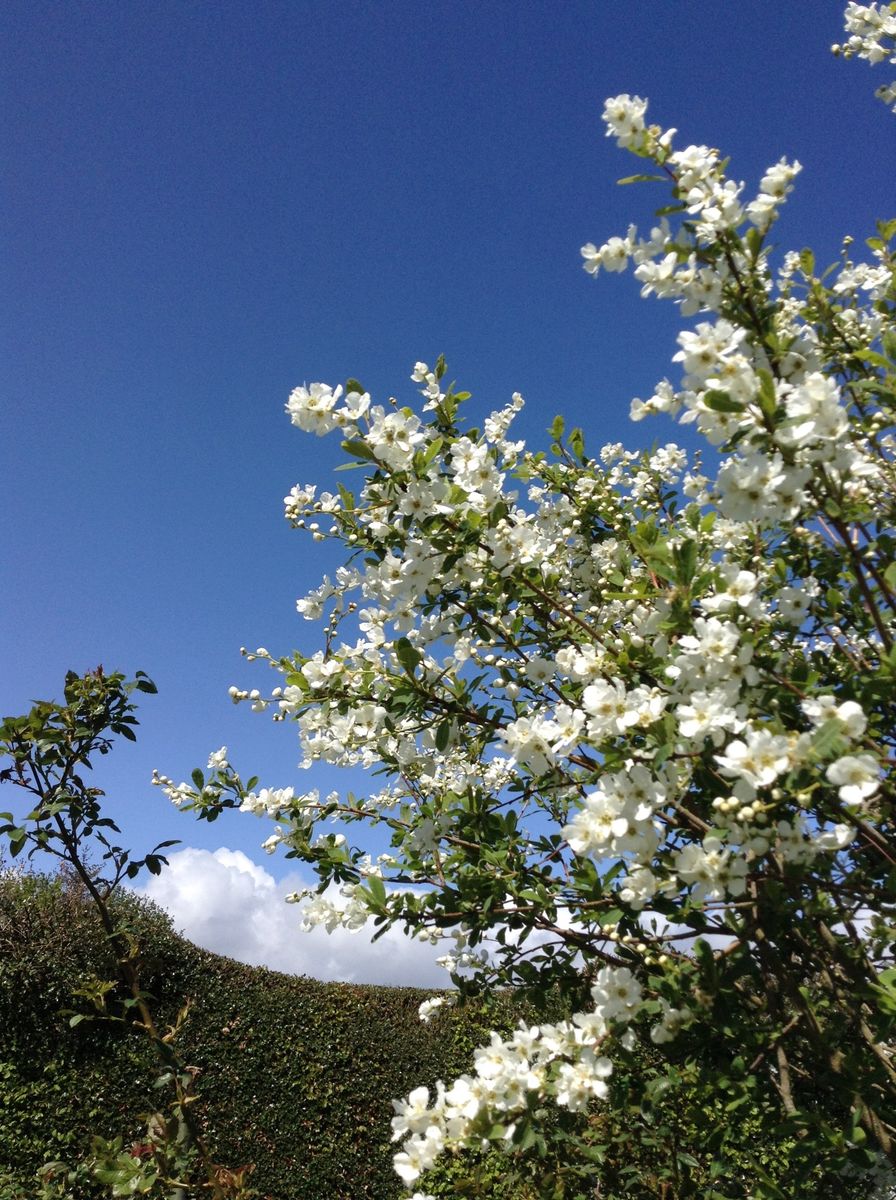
[(580, 1082), (706, 713), (616, 993), (673, 1019), (715, 639), (639, 886), (612, 256), (419, 1154), (411, 1115), (760, 759), (593, 829), (856, 776), (311, 408), (394, 436), (218, 760), (711, 869), (624, 117), (429, 1008), (793, 604), (825, 708), (607, 703)]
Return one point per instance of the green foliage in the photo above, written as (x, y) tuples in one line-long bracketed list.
[(656, 1137), (295, 1077), (48, 749)]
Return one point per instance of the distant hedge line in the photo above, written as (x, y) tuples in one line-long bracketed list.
[(296, 1075)]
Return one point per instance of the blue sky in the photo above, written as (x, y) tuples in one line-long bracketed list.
[(206, 205)]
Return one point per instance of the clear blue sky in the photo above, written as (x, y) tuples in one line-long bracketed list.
[(207, 204)]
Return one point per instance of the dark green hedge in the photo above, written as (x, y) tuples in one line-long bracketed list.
[(296, 1075)]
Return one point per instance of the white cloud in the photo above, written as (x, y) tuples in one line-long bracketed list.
[(224, 902)]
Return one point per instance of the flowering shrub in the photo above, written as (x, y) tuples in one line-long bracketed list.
[(633, 713)]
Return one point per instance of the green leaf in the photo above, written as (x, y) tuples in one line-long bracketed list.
[(576, 443), (768, 400), (721, 402), (359, 449), (754, 242), (685, 557), (828, 739), (431, 451), (377, 890), (641, 179), (409, 658), (352, 385), (885, 991)]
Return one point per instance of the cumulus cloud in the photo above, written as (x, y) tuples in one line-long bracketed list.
[(224, 902)]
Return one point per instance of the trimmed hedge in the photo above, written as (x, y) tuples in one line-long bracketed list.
[(295, 1074)]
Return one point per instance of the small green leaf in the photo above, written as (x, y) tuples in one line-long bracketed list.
[(576, 443), (768, 400), (754, 242)]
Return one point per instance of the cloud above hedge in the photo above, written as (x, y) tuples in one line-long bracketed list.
[(224, 902)]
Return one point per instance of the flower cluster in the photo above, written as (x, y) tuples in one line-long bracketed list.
[(558, 1060), (872, 36)]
